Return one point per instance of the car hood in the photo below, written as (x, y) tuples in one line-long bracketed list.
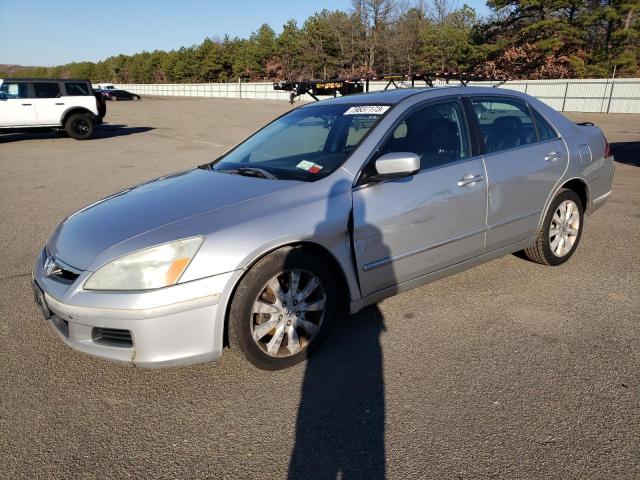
[(120, 217)]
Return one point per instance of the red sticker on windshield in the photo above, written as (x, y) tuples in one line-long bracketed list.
[(315, 169)]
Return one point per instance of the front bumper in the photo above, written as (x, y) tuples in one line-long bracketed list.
[(173, 326)]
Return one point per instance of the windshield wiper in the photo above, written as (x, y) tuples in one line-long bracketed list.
[(250, 172)]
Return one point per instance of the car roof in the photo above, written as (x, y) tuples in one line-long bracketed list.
[(395, 96), (43, 79)]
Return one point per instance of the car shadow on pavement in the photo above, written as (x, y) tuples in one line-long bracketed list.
[(109, 131), (627, 153), (341, 418), (102, 131)]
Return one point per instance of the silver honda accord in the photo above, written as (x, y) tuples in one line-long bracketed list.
[(336, 204)]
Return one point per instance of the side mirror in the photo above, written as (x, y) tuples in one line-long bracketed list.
[(397, 165)]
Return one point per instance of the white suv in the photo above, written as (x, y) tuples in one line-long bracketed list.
[(68, 106)]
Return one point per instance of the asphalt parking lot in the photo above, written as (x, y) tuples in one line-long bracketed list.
[(510, 370)]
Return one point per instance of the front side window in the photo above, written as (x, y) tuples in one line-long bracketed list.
[(505, 123), (11, 90), (306, 144), (76, 88), (47, 89), (437, 133)]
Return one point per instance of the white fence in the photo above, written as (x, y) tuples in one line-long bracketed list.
[(591, 95)]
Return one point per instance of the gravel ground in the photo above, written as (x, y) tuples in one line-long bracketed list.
[(510, 370)]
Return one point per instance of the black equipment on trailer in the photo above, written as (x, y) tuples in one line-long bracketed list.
[(359, 85), (320, 87)]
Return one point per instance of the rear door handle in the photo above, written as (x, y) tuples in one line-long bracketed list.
[(59, 103), (26, 104), (469, 179), (552, 156)]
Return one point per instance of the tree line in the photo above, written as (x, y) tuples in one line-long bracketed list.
[(518, 39)]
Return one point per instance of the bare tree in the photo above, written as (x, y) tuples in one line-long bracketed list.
[(374, 15), (440, 10)]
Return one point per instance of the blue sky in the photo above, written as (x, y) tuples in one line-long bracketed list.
[(47, 32)]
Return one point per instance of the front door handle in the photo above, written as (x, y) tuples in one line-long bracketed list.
[(469, 180), (552, 156), (59, 103), (26, 104)]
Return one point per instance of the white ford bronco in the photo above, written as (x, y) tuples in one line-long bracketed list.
[(70, 107)]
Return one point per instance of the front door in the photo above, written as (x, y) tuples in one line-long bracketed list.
[(408, 227), (524, 159), (16, 108)]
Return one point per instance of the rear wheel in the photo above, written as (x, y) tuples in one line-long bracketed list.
[(561, 230), (80, 126), (281, 309)]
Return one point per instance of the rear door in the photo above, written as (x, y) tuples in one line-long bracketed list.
[(524, 159), (408, 227), (16, 108), (48, 102)]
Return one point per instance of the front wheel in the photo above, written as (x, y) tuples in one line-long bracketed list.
[(80, 126), (561, 230), (281, 309)]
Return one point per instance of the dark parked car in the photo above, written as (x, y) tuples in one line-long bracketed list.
[(119, 95)]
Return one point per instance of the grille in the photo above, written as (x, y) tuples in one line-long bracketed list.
[(66, 276), (112, 337), (59, 271)]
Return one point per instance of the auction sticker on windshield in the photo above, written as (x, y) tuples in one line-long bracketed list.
[(367, 110), (310, 167)]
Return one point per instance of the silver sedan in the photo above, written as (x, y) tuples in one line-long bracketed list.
[(336, 204)]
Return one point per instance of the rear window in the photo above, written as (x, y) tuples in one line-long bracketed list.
[(77, 88), (47, 89)]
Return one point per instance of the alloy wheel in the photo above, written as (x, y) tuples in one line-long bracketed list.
[(564, 228), (81, 126), (288, 313)]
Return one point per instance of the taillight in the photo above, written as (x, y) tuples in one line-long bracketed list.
[(607, 149)]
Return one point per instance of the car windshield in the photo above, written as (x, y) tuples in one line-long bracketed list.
[(306, 144)]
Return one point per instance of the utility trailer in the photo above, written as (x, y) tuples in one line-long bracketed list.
[(350, 86)]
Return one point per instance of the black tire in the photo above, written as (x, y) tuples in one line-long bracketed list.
[(541, 251), (80, 126), (241, 318)]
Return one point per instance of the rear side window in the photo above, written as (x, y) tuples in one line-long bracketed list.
[(10, 90), (505, 123), (77, 88), (545, 132), (47, 89), (437, 133)]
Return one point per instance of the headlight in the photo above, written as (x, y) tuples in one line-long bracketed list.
[(153, 267)]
